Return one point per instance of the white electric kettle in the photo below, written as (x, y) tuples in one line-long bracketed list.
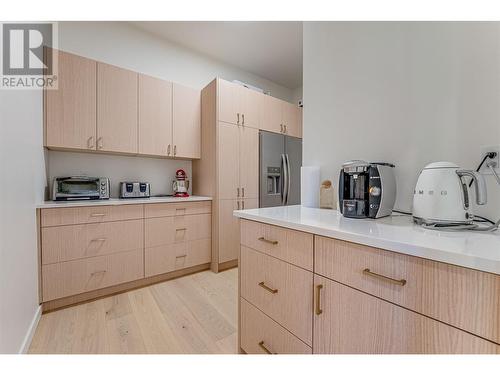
[(441, 196)]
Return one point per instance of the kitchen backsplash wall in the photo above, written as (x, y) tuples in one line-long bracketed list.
[(408, 93), (158, 172)]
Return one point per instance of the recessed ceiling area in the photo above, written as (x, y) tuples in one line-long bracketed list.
[(272, 50)]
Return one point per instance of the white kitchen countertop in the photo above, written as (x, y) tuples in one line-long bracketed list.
[(116, 201), (398, 233)]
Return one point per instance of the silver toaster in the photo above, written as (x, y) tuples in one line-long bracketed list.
[(135, 190)]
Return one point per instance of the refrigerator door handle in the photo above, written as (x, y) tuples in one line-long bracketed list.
[(284, 184), (289, 179)]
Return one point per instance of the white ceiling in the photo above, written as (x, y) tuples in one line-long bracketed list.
[(272, 50)]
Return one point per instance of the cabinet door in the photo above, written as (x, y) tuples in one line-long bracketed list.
[(186, 122), (290, 116), (228, 161), (271, 114), (229, 101), (116, 109), (249, 162), (70, 111), (250, 106), (229, 230), (249, 203), (155, 116), (353, 322)]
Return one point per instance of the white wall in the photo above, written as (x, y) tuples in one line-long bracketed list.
[(158, 172), (408, 93), (125, 45), (21, 188)]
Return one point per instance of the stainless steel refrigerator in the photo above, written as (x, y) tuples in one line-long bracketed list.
[(280, 161)]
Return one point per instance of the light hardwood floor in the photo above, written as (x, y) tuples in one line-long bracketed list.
[(193, 314)]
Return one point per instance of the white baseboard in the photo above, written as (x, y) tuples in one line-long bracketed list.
[(25, 346)]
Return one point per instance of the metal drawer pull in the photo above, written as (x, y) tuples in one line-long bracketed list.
[(272, 242), (168, 150), (237, 192), (97, 215), (243, 119), (97, 272), (317, 308), (270, 290), (261, 344), (179, 229), (367, 272), (243, 192), (98, 240), (238, 116), (181, 256)]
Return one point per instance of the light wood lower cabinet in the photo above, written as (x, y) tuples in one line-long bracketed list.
[(70, 242), (262, 335), (360, 300), (83, 275), (430, 288), (229, 230), (280, 290), (98, 248), (352, 322)]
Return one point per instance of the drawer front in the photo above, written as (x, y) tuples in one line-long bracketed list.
[(94, 214), (289, 245), (88, 240), (177, 209), (175, 229), (464, 298), (282, 291), (262, 335), (353, 322), (172, 257), (83, 275)]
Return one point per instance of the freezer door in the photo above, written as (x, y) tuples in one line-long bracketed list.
[(271, 149), (293, 148)]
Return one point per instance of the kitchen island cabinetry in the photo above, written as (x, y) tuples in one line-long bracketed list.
[(318, 293)]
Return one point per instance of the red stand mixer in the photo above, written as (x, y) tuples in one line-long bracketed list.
[(180, 185)]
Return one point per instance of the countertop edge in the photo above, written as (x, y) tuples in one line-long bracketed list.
[(119, 202), (456, 259)]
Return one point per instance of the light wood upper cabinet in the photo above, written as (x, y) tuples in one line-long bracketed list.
[(155, 116), (291, 119), (271, 114), (250, 104), (249, 162), (116, 109), (186, 132), (228, 161), (70, 111), (228, 102)]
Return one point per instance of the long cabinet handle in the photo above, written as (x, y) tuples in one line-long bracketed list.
[(179, 229), (98, 240), (284, 129), (181, 256), (263, 347), (237, 192), (238, 117), (175, 150), (97, 215), (401, 282), (281, 125), (243, 119), (317, 308), (168, 150), (243, 192), (272, 242), (270, 290), (238, 205), (242, 205)]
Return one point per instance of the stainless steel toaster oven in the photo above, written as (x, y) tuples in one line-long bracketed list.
[(80, 188)]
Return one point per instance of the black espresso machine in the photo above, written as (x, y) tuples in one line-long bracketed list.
[(366, 190)]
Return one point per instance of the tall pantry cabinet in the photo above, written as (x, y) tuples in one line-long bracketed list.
[(229, 167)]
